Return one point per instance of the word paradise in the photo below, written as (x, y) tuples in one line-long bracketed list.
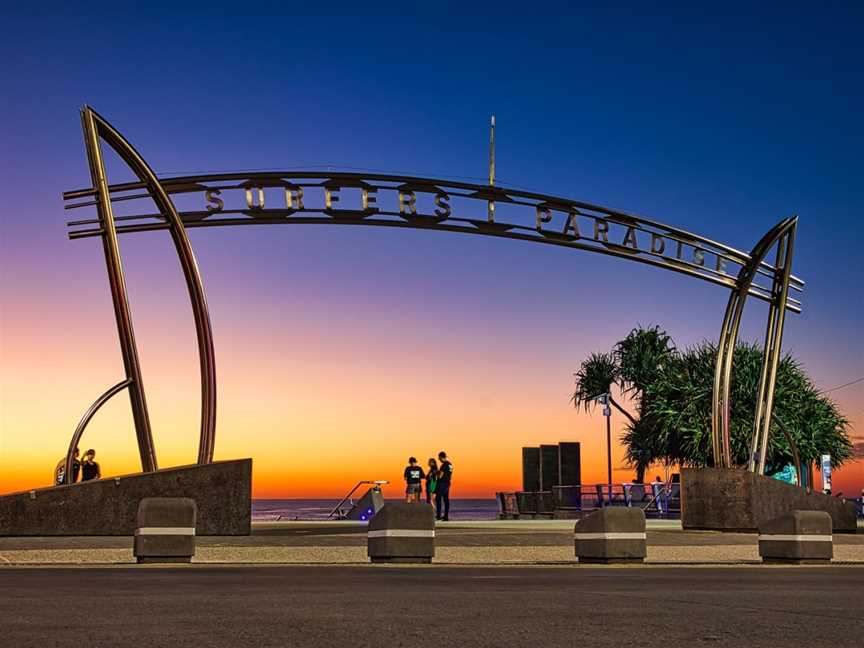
[(431, 205)]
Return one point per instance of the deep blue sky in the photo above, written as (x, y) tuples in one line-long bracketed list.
[(720, 119)]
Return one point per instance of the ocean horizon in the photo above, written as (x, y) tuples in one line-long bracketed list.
[(319, 509)]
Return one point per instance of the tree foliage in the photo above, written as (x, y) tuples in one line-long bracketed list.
[(671, 391), (632, 366), (641, 356), (595, 377)]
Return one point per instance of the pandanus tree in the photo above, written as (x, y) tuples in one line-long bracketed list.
[(632, 366), (596, 376), (670, 392), (679, 404)]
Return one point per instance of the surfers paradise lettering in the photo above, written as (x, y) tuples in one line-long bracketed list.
[(432, 205)]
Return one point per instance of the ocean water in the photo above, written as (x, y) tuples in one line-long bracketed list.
[(318, 509)]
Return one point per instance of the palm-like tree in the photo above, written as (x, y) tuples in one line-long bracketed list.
[(679, 402), (642, 446), (596, 376), (671, 392), (641, 356), (632, 366)]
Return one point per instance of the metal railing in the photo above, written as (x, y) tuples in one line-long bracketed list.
[(337, 511), (659, 499)]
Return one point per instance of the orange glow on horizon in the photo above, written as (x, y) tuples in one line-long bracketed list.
[(320, 391)]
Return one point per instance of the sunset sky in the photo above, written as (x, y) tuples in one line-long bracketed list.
[(340, 350)]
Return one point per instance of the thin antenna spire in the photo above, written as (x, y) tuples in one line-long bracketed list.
[(492, 153), (490, 205)]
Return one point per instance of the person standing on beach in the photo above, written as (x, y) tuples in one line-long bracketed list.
[(442, 488), (431, 479), (413, 480)]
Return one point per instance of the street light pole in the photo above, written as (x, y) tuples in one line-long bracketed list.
[(609, 447), (604, 399), (607, 412)]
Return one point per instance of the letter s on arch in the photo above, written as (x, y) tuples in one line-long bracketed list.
[(442, 206), (214, 203)]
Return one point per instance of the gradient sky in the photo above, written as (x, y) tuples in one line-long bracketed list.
[(341, 351)]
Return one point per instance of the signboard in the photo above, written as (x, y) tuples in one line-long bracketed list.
[(826, 473)]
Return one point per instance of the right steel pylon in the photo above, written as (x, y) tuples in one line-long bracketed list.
[(783, 235)]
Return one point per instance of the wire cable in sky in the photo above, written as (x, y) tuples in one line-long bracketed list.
[(849, 384)]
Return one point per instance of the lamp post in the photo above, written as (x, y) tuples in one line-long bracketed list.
[(603, 399)]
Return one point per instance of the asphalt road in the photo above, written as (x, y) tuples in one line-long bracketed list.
[(365, 606)]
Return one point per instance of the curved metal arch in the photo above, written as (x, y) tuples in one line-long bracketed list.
[(461, 190), (783, 235), (97, 127), (89, 414), (743, 285), (458, 225)]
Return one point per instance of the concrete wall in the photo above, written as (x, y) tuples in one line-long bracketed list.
[(222, 491), (738, 500)]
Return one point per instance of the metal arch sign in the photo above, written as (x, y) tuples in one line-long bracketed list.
[(384, 200), (304, 197)]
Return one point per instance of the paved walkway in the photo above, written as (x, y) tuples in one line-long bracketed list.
[(301, 607), (465, 543)]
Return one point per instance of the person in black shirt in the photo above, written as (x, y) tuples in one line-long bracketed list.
[(60, 470), (442, 488), (414, 476), (89, 468)]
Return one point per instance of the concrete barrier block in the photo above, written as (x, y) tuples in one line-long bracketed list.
[(731, 499), (402, 533), (797, 537), (222, 491), (611, 535), (165, 530)]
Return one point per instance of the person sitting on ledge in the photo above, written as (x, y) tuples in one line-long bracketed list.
[(89, 468), (60, 470)]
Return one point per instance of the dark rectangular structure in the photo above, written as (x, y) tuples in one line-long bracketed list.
[(570, 463), (549, 475), (222, 491), (530, 469)]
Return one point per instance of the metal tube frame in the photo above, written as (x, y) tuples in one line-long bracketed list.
[(752, 265), (82, 424), (772, 353), (119, 296), (96, 128), (783, 235)]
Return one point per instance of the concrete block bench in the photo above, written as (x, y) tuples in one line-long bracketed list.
[(402, 533), (611, 535), (797, 537), (165, 530)]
